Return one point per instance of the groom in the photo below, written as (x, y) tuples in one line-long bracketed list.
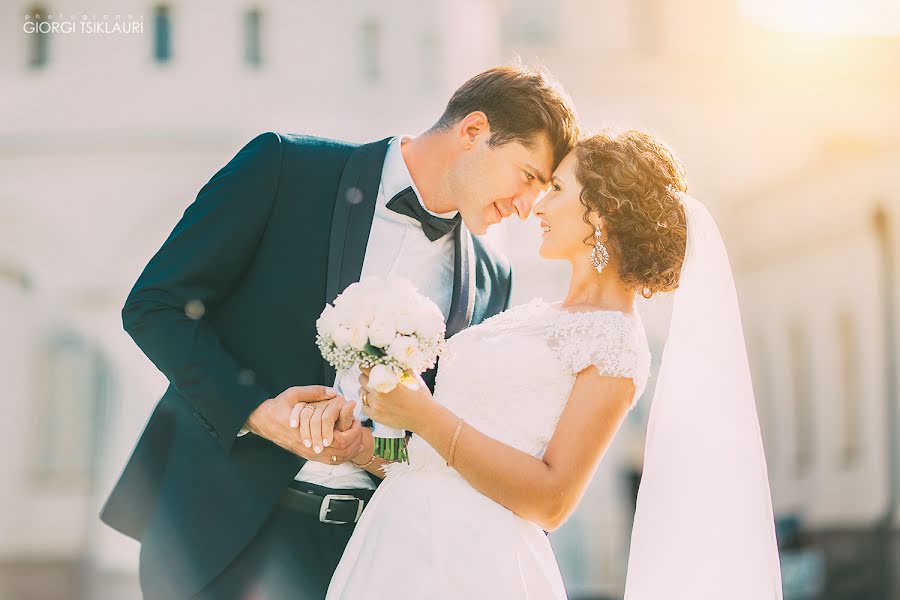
[(226, 309)]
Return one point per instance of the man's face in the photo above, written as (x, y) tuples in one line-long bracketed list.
[(496, 182)]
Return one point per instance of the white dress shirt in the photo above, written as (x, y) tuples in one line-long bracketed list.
[(397, 246)]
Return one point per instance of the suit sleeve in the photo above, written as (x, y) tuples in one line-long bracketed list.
[(199, 264)]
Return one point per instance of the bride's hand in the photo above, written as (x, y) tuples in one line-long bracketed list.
[(320, 424), (400, 408)]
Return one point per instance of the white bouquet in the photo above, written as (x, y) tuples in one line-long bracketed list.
[(388, 326)]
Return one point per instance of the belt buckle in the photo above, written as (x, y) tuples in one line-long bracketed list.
[(327, 501)]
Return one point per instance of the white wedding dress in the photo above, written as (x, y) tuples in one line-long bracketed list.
[(426, 533)]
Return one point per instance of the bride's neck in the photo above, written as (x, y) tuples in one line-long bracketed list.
[(426, 157), (603, 291)]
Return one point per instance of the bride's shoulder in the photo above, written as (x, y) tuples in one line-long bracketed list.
[(593, 322), (612, 340)]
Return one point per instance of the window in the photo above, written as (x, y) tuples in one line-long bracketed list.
[(162, 34), (800, 377), (38, 38), (647, 26), (73, 386), (371, 39), (253, 37), (10, 273), (848, 350)]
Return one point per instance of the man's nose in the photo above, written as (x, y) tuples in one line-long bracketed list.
[(523, 203)]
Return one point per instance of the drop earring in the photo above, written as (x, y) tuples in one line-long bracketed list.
[(599, 255)]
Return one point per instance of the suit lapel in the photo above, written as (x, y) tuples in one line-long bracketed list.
[(354, 209), (462, 306)]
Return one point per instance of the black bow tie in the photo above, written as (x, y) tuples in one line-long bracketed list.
[(407, 203)]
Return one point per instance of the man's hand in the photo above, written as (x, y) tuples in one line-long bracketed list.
[(271, 420)]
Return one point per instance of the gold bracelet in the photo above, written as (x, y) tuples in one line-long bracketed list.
[(453, 443), (367, 465)]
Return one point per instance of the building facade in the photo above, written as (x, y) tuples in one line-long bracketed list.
[(106, 137)]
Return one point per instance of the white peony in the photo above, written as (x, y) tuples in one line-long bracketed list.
[(382, 332), (328, 321), (406, 321), (430, 325), (342, 336), (383, 379), (405, 350), (359, 311), (359, 335)]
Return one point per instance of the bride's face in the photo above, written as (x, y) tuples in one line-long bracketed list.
[(561, 214)]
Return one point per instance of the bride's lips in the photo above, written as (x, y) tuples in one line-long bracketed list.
[(545, 228)]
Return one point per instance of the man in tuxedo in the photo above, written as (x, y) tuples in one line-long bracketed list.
[(226, 309)]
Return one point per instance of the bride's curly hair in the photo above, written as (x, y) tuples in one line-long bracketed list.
[(631, 180)]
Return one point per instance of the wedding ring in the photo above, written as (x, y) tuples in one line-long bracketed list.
[(365, 398), (333, 458)]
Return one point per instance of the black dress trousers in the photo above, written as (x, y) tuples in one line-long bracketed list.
[(292, 558)]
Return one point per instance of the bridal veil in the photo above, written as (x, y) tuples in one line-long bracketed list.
[(703, 526)]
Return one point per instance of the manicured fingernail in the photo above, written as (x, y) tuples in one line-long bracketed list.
[(327, 443), (331, 392), (307, 443), (317, 450), (294, 422)]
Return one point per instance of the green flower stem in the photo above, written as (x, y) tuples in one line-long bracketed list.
[(392, 449)]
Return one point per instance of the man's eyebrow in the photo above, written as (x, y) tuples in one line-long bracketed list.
[(537, 173)]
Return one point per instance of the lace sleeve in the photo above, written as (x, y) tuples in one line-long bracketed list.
[(612, 342)]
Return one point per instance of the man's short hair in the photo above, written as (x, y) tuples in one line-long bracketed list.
[(520, 102)]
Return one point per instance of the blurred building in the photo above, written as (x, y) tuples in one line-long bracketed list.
[(792, 139), (818, 273)]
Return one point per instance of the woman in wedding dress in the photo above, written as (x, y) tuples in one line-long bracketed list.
[(526, 403)]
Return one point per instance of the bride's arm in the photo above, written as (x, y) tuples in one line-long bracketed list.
[(543, 490)]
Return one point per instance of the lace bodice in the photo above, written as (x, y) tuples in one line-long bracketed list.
[(511, 375)]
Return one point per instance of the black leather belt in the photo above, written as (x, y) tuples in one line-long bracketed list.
[(339, 507)]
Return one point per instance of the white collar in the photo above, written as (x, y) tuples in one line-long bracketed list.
[(395, 176)]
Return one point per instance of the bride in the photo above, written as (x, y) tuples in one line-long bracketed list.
[(526, 403)]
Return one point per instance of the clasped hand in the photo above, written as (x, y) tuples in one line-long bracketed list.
[(312, 421)]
